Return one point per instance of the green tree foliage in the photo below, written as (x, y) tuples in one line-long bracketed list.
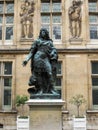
[(20, 101), (78, 100)]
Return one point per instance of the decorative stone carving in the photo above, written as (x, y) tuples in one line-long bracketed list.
[(75, 18), (26, 14)]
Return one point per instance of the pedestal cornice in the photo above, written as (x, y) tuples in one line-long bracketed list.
[(43, 102)]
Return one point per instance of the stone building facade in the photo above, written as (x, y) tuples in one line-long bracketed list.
[(73, 26)]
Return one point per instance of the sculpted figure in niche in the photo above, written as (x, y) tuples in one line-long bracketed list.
[(27, 10), (44, 59), (75, 18)]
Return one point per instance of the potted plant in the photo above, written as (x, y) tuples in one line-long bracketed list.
[(22, 120), (78, 121)]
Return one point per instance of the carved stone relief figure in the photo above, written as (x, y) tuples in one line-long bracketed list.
[(75, 18), (26, 14)]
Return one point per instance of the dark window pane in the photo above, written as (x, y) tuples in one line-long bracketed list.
[(8, 68), (45, 7), (93, 19), (1, 7), (9, 33), (56, 7), (92, 6), (94, 67), (7, 97), (0, 19), (7, 82), (95, 81), (94, 32), (59, 68), (59, 91), (56, 32), (58, 81), (0, 32), (56, 19), (95, 97), (10, 8), (45, 19), (9, 19)]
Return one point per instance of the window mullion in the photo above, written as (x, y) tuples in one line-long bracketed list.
[(51, 24), (97, 5), (1, 69), (51, 18), (4, 28), (4, 22)]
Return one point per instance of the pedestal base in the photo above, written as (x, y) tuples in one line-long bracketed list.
[(45, 114), (44, 96)]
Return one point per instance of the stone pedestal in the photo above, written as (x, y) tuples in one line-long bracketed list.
[(45, 114)]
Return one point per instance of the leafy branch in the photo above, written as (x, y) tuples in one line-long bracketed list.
[(77, 100), (20, 101)]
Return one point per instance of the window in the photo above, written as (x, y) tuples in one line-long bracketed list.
[(95, 84), (51, 18), (6, 21), (58, 82), (6, 83), (93, 18)]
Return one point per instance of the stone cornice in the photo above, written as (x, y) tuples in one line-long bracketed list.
[(76, 51), (14, 51), (69, 51), (45, 102)]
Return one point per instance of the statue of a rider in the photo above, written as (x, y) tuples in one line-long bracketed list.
[(44, 59)]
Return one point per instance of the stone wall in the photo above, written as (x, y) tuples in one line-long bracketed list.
[(92, 123), (7, 122)]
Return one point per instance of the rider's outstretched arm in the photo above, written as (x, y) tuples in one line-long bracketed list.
[(27, 58), (31, 53)]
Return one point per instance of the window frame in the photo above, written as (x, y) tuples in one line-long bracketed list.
[(94, 87), (4, 25), (51, 14), (93, 13), (61, 77), (2, 87)]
